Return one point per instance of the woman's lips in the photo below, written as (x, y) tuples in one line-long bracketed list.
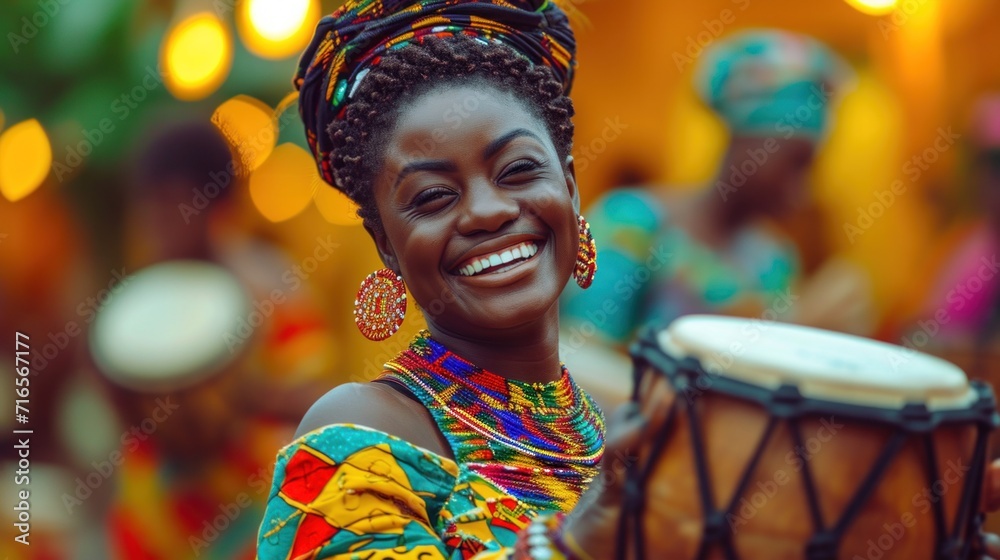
[(489, 262)]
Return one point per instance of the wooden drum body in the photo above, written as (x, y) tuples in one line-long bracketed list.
[(789, 442)]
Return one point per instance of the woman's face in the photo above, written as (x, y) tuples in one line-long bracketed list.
[(479, 212), (775, 173)]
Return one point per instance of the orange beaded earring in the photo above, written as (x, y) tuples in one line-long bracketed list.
[(586, 256), (380, 305)]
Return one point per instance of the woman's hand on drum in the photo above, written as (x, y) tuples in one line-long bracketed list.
[(593, 523)]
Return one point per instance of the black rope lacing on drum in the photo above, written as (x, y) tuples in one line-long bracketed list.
[(812, 497), (967, 507), (787, 404), (715, 533)]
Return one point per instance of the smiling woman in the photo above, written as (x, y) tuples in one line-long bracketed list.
[(449, 124)]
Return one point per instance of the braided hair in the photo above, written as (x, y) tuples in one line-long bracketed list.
[(407, 73)]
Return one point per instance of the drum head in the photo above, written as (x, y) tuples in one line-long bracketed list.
[(169, 326), (822, 364)]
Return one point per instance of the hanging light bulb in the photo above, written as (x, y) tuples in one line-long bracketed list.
[(276, 28)]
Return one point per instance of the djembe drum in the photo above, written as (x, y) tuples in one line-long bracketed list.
[(783, 442), (173, 325)]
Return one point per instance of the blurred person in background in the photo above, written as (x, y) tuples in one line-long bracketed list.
[(185, 206), (209, 354), (665, 254)]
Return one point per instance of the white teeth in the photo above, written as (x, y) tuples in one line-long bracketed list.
[(525, 250)]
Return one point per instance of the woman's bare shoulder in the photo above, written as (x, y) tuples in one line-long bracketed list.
[(376, 406)]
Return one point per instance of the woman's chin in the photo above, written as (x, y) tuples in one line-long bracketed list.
[(496, 317)]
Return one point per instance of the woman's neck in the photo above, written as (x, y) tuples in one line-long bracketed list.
[(529, 353)]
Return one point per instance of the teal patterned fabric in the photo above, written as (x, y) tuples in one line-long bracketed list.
[(771, 83)]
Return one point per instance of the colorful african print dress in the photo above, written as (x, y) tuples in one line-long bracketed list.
[(521, 450)]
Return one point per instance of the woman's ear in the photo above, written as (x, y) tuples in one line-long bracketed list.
[(569, 169), (385, 250)]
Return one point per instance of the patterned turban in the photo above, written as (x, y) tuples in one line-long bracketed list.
[(771, 82), (354, 38)]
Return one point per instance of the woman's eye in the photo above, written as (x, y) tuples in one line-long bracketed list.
[(519, 167), (430, 195)]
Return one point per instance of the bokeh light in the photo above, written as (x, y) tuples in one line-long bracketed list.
[(25, 159), (284, 185), (335, 207), (250, 128), (874, 7), (277, 28), (196, 55)]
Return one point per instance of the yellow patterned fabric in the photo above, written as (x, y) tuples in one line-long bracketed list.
[(350, 492)]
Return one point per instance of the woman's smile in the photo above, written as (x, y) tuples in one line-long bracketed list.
[(487, 263)]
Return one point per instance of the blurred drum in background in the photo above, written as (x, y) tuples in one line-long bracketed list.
[(784, 441), (167, 329), (193, 445)]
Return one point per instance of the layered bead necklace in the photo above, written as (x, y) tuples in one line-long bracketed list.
[(542, 442)]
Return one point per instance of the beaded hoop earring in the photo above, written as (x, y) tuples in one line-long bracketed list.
[(586, 256), (380, 305)]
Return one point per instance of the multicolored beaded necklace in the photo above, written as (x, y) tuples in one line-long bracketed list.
[(542, 442)]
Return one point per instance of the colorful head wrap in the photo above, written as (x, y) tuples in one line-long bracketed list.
[(354, 38), (771, 82)]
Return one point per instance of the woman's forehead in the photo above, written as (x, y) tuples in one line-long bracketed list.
[(458, 116)]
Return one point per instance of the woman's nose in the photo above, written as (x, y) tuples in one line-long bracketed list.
[(487, 207)]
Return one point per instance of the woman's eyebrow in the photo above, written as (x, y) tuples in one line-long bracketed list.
[(498, 144), (438, 165)]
